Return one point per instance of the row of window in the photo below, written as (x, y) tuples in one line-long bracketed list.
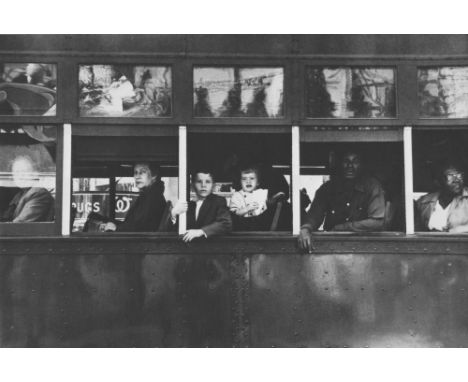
[(145, 91), (103, 172)]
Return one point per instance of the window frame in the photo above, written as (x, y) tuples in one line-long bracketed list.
[(43, 228), (294, 65)]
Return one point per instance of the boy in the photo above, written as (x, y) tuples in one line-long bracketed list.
[(208, 215)]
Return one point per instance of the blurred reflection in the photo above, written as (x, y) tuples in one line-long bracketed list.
[(28, 89), (443, 92), (238, 92), (125, 91), (350, 92)]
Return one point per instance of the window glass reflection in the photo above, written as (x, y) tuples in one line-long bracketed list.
[(443, 92), (125, 91), (28, 89), (238, 92), (350, 92), (27, 174)]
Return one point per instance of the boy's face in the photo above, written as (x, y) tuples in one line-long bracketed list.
[(249, 181), (203, 185)]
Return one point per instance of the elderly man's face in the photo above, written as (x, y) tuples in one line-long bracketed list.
[(24, 174), (351, 165), (453, 180)]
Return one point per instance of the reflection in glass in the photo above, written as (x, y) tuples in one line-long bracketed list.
[(350, 93), (28, 89), (443, 92), (238, 92), (125, 91), (27, 173)]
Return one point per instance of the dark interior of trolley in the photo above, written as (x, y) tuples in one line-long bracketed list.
[(79, 112)]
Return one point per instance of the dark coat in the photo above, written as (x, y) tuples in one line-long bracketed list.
[(214, 217), (146, 212), (33, 204)]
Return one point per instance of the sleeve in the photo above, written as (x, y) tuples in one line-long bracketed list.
[(222, 224), (375, 213), (316, 214), (36, 208)]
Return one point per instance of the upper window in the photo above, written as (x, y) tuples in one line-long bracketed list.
[(238, 92), (346, 92), (125, 91), (443, 92), (28, 89), (27, 173)]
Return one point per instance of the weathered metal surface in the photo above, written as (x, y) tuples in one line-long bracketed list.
[(359, 301), (115, 301), (258, 292)]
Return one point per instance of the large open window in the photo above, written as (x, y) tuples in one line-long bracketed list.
[(380, 155), (267, 157), (107, 186)]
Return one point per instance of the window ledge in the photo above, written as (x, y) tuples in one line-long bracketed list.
[(236, 244)]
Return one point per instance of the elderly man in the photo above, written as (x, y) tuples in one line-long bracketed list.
[(447, 209), (30, 204), (349, 202)]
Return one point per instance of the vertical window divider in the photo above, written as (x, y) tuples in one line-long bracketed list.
[(296, 178), (66, 178), (408, 162), (182, 175)]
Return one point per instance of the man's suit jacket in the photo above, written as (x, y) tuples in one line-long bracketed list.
[(214, 217), (33, 205)]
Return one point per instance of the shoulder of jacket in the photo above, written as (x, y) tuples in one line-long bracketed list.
[(218, 199), (428, 198)]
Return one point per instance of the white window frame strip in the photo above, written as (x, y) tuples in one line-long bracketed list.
[(296, 178), (182, 175), (408, 163), (66, 178)]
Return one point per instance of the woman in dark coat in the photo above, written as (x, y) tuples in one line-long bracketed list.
[(146, 212)]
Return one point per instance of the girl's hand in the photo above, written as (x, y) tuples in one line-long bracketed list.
[(252, 207)]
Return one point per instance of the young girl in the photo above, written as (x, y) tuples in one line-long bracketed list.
[(250, 201)]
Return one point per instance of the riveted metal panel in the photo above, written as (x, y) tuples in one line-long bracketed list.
[(359, 301)]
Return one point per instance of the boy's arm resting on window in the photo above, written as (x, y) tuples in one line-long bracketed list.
[(37, 208), (317, 211), (375, 214), (222, 223)]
